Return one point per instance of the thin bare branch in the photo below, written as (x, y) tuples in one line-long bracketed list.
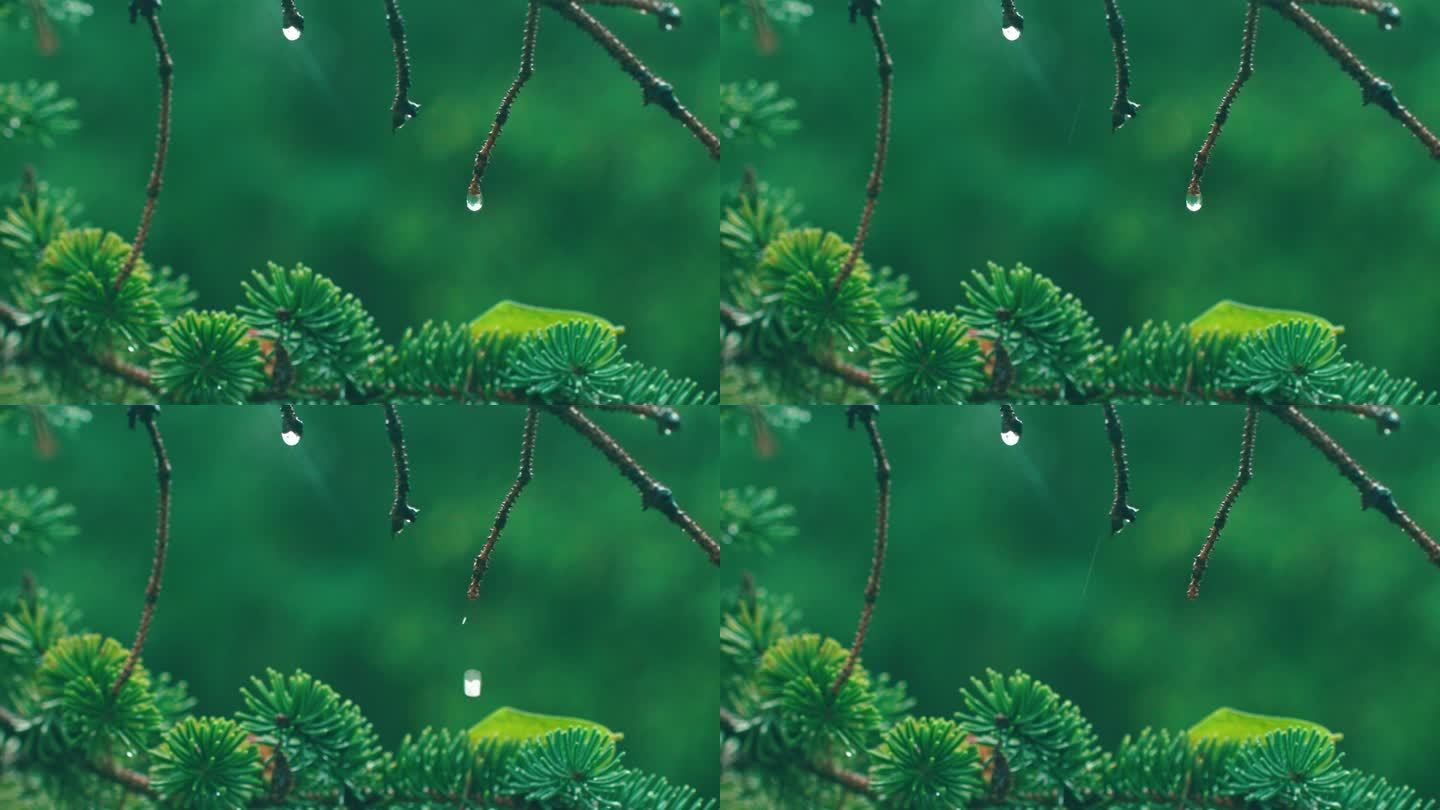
[(527, 471), (885, 67), (1122, 109), (1247, 467), (402, 514), (866, 415), (527, 69), (1121, 512), (146, 415), (1247, 68), (402, 109), (149, 9)]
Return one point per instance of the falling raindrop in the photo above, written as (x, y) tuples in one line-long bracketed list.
[(464, 619), (472, 683), (1011, 32), (1010, 437), (291, 32), (1193, 201), (130, 349), (290, 437), (474, 200)]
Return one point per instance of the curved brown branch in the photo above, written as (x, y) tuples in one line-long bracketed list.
[(667, 420), (866, 415), (653, 494), (527, 69), (1374, 89), (1373, 494), (666, 14), (146, 415), (656, 90), (166, 68), (885, 67), (402, 514), (527, 471), (402, 109), (1247, 458), (1386, 14), (1247, 68), (1122, 109)]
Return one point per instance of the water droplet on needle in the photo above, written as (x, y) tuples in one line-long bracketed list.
[(291, 32), (1193, 201), (474, 201), (290, 437), (1010, 437), (1010, 32)]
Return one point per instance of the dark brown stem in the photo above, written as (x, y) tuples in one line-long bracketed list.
[(166, 69), (1121, 512), (850, 780), (667, 14), (656, 90), (1373, 494), (885, 67), (402, 513), (1386, 14), (527, 69), (667, 420), (1247, 68), (1122, 109), (527, 471), (1386, 419), (146, 415), (866, 415), (403, 109), (854, 375), (1247, 458), (653, 494), (1374, 89)]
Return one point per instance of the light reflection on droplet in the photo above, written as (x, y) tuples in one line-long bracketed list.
[(474, 201), (1010, 437), (1011, 32), (291, 32), (1193, 201), (290, 437), (472, 683)]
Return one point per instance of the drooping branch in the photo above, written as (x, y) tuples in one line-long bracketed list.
[(149, 9), (656, 90), (402, 513), (866, 415), (653, 494), (885, 67), (474, 199), (527, 471), (667, 420), (1122, 109), (1386, 419), (1373, 494), (1247, 458), (1374, 89), (666, 14), (1121, 512), (1193, 196), (1386, 14), (403, 109), (146, 415)]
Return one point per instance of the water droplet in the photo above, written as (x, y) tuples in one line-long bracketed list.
[(290, 437), (1193, 201), (850, 349), (291, 32), (1010, 437), (474, 201), (130, 349), (1011, 32), (472, 683)]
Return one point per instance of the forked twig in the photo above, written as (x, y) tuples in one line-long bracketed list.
[(653, 494), (149, 9), (1122, 109), (1121, 512), (1247, 458), (1373, 494), (1193, 195), (866, 414), (402, 513), (403, 109), (146, 414), (527, 69), (885, 66), (527, 471)]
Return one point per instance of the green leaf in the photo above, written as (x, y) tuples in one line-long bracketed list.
[(514, 725), (1235, 318), (515, 318), (1238, 726)]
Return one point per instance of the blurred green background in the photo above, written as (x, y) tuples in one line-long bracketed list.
[(1310, 607), (282, 557), (1003, 151), (283, 152)]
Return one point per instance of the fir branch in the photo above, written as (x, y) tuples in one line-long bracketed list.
[(149, 9), (656, 90), (146, 415), (403, 109), (1374, 89), (527, 69), (885, 67), (402, 513), (653, 494), (1247, 68), (866, 415), (1247, 468), (1122, 109), (1121, 512), (527, 472), (1373, 494)]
